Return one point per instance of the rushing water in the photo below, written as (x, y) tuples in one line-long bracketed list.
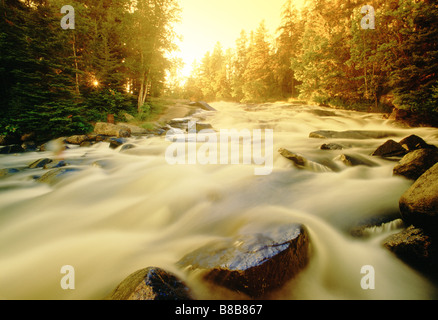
[(125, 211)]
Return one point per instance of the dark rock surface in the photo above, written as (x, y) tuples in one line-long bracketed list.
[(390, 148), (151, 284), (254, 264), (415, 163), (419, 204)]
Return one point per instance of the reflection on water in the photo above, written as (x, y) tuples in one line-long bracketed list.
[(124, 211)]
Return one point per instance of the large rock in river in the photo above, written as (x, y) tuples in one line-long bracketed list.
[(254, 264), (151, 284), (414, 142), (415, 163), (419, 204), (109, 129), (416, 248), (390, 149)]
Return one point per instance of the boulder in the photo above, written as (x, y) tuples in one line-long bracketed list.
[(116, 142), (414, 142), (350, 134), (416, 248), (415, 163), (109, 129), (151, 284), (390, 149), (419, 204), (77, 139), (254, 264)]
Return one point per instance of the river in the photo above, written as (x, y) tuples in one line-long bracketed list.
[(126, 210)]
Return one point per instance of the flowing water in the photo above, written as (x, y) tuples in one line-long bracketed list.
[(126, 210)]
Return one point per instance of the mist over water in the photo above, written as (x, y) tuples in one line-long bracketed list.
[(126, 210)]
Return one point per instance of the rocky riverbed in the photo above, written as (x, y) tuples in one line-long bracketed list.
[(337, 200)]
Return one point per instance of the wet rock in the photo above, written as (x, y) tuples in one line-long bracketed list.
[(419, 204), (109, 129), (302, 163), (151, 284), (416, 248), (127, 147), (29, 146), (254, 264), (390, 149), (331, 146), (78, 139), (116, 142), (355, 160), (350, 134), (298, 160), (415, 163), (414, 142), (55, 164), (40, 163), (55, 175), (8, 172), (10, 149)]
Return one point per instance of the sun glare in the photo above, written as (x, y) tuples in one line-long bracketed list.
[(204, 23)]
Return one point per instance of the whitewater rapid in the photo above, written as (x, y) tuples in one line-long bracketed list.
[(122, 211)]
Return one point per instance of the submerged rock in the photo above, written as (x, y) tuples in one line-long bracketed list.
[(55, 175), (419, 204), (415, 163), (355, 160), (302, 163), (390, 149), (151, 284), (255, 264), (40, 163)]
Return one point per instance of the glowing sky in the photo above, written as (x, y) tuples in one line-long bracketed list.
[(205, 22)]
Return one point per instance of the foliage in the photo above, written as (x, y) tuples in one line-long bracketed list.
[(58, 82)]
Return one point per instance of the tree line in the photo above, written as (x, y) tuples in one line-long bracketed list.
[(322, 53), (56, 82)]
